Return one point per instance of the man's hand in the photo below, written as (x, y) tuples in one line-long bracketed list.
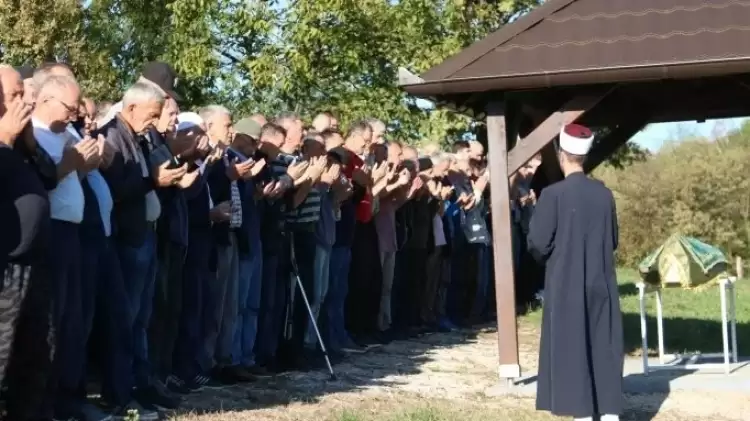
[(268, 188), (342, 189), (214, 155), (166, 177), (481, 182), (361, 176), (221, 212), (332, 175), (108, 153), (379, 172), (188, 179), (89, 151), (403, 178), (278, 189), (445, 192), (13, 121), (256, 168), (316, 168), (297, 169), (416, 185), (238, 170)]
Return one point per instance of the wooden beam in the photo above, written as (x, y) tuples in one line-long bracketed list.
[(507, 329), (545, 132), (614, 140)]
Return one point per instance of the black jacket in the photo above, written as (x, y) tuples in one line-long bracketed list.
[(221, 191), (127, 184)]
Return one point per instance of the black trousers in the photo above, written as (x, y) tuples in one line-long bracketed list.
[(365, 281), (25, 356), (408, 284), (168, 297)]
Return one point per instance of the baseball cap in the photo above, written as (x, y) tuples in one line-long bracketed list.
[(188, 120), (163, 76), (247, 127), (26, 72)]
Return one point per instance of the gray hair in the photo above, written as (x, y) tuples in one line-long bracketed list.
[(141, 92), (374, 122), (210, 111), (439, 157), (56, 82)]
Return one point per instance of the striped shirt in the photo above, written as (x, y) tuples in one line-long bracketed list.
[(308, 211)]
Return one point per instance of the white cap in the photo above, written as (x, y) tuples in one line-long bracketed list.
[(187, 120), (576, 139)]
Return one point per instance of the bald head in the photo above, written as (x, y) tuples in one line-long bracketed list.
[(260, 119), (321, 122)]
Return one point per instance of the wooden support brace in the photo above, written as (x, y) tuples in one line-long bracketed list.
[(611, 142), (545, 132), (507, 330)]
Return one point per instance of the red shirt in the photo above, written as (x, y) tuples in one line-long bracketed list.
[(364, 208)]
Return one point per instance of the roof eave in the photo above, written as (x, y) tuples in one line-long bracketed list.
[(722, 67)]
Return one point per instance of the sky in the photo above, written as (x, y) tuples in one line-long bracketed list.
[(654, 136)]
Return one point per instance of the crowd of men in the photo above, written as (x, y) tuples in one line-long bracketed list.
[(162, 251)]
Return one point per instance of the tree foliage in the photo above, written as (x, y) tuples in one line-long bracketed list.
[(696, 187), (267, 56)]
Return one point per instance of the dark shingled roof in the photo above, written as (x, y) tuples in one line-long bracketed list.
[(573, 42)]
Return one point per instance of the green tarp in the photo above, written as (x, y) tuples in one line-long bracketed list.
[(683, 262)]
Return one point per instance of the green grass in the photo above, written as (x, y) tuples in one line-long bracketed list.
[(692, 318)]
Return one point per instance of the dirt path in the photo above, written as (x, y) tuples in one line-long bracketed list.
[(452, 371)]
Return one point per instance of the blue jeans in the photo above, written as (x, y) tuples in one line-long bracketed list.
[(317, 296), (139, 274), (333, 308), (246, 326)]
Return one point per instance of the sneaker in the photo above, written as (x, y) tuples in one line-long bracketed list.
[(177, 385), (158, 396), (133, 409), (206, 382), (352, 348)]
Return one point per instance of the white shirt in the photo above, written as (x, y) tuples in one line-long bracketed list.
[(101, 190), (66, 200)]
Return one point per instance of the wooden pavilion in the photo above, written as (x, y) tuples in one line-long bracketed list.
[(614, 64)]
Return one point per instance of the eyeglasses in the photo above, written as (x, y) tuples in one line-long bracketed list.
[(72, 109)]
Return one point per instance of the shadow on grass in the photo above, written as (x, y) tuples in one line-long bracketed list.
[(684, 336), (627, 290), (377, 367)]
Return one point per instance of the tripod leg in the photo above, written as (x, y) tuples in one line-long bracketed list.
[(314, 325)]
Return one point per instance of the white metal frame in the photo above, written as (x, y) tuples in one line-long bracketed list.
[(692, 362)]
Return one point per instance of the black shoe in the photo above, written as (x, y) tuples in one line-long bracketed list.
[(156, 395), (177, 385), (236, 374), (259, 371)]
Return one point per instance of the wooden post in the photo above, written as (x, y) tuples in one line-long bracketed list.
[(740, 270), (505, 297)]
